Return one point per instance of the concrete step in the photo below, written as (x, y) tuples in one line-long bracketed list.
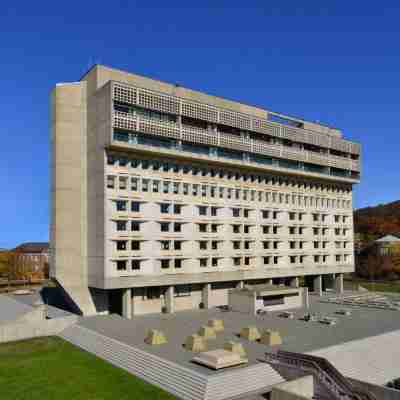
[(180, 381)]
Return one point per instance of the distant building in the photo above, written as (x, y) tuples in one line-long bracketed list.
[(32, 260), (386, 245)]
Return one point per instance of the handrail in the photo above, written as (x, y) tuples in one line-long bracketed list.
[(330, 376)]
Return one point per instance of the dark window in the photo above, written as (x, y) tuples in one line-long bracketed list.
[(203, 245), (177, 208), (177, 227), (135, 264), (203, 262), (236, 212), (203, 228), (214, 228), (135, 227), (214, 262), (178, 263), (121, 225), (214, 211), (135, 206), (202, 210), (135, 245), (164, 226), (164, 207), (121, 205), (164, 264), (121, 265), (121, 245), (177, 245)]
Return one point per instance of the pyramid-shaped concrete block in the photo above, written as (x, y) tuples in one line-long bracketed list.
[(216, 324), (250, 333), (271, 338), (155, 337), (235, 347), (206, 332), (195, 343)]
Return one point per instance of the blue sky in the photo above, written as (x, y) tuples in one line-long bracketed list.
[(337, 62)]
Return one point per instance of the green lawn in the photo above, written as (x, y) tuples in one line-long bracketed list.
[(52, 369)]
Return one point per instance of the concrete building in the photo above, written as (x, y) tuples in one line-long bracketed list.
[(165, 198)]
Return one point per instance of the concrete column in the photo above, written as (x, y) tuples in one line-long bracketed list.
[(127, 303), (317, 283), (169, 300), (206, 295), (294, 282), (240, 285), (306, 301), (339, 283)]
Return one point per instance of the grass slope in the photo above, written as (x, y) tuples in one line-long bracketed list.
[(50, 368)]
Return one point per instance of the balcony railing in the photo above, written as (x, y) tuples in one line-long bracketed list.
[(179, 106), (225, 140)]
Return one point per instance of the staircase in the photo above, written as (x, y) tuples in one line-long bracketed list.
[(324, 372), (185, 383)]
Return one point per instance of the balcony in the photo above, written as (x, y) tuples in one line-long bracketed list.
[(224, 140)]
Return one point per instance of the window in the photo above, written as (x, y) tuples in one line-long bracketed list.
[(195, 190), (135, 226), (316, 258), (276, 260), (121, 226), (292, 230), (185, 189), (214, 245), (292, 259), (212, 191), (235, 212), (164, 244), (164, 208), (266, 245), (153, 292), (236, 245), (110, 159), (145, 185), (121, 245), (203, 190), (338, 258), (246, 213), (247, 261), (265, 214), (121, 265), (156, 186), (121, 205), (276, 245), (177, 208), (247, 245), (134, 184), (123, 182), (110, 182), (265, 229), (135, 264), (275, 230), (292, 245), (236, 261), (246, 228), (292, 216), (316, 245), (135, 245), (203, 262), (177, 227), (214, 262), (275, 215), (214, 228), (164, 226), (203, 228), (164, 264), (315, 231), (175, 187), (202, 210), (203, 245), (135, 206), (214, 211), (178, 263), (165, 187), (236, 228)]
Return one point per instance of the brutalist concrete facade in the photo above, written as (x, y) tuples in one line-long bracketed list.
[(165, 198)]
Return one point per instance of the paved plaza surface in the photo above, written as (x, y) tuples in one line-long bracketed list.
[(297, 335)]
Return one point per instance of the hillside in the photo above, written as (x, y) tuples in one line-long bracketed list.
[(372, 222)]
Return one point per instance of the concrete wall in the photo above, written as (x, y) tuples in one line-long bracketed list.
[(20, 331)]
